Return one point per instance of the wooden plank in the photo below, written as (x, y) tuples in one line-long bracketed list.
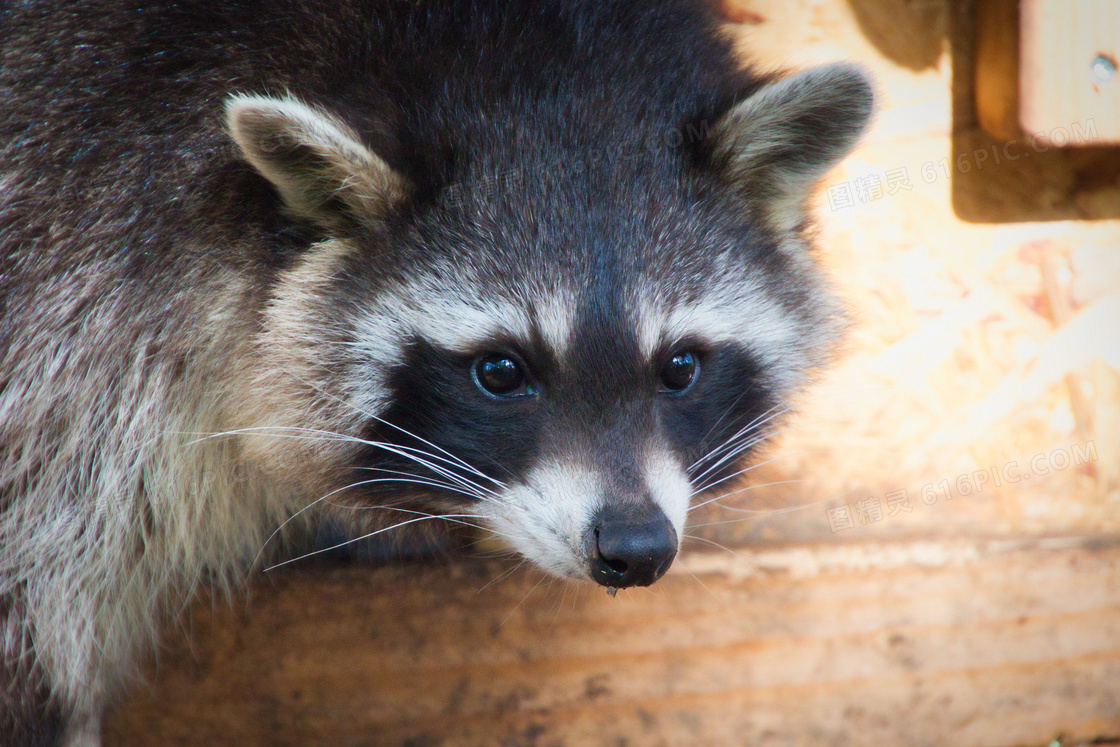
[(951, 642), (997, 68), (1067, 50)]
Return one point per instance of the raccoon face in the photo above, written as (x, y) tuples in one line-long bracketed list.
[(565, 347)]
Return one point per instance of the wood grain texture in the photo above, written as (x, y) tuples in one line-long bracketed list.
[(997, 68), (1060, 98), (955, 642)]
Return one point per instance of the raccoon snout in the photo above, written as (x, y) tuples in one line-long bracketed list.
[(630, 547)]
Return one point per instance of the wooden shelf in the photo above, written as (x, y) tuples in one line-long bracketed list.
[(979, 642)]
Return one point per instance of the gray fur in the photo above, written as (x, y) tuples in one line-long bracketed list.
[(221, 266)]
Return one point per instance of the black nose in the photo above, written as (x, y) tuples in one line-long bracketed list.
[(630, 546)]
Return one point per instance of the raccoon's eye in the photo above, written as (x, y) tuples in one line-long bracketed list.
[(679, 372), (499, 375)]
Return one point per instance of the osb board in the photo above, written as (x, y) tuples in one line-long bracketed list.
[(925, 643), (974, 345)]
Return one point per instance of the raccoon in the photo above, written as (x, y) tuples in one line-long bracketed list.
[(536, 265)]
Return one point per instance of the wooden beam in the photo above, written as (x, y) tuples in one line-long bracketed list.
[(971, 642)]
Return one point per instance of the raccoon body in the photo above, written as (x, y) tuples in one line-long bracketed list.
[(535, 265)]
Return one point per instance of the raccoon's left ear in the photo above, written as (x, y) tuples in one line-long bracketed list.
[(774, 145), (318, 165)]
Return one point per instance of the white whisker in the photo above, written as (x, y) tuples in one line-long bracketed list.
[(733, 475), (407, 452), (705, 540), (374, 533), (743, 490), (772, 512), (370, 415), (502, 576), (736, 447), (518, 605), (694, 577), (415, 481), (431, 481), (456, 459), (758, 421), (450, 518)]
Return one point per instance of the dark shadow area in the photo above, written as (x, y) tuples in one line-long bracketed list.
[(910, 33)]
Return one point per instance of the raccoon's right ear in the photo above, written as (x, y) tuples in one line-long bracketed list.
[(318, 165), (774, 145)]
